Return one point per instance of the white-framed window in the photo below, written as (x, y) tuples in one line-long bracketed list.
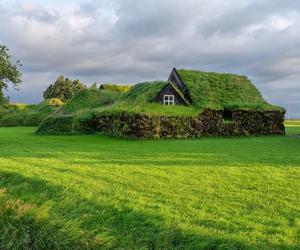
[(169, 100)]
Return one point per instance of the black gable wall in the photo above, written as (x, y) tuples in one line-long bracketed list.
[(168, 90), (175, 78)]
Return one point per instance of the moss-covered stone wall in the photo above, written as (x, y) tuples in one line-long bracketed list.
[(136, 125)]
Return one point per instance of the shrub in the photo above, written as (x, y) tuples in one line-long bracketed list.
[(57, 124), (33, 119), (3, 111), (54, 102), (12, 119)]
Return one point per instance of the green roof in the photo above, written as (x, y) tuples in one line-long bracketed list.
[(205, 90), (144, 92), (90, 98), (219, 90)]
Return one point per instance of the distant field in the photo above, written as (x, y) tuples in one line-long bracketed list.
[(91, 192), (292, 123)]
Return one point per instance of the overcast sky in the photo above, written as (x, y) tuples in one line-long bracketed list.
[(138, 40)]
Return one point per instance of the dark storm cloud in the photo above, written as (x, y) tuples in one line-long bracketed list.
[(130, 41)]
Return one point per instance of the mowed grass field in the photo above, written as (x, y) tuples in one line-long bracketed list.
[(98, 192)]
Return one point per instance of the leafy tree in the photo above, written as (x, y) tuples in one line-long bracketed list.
[(63, 89), (94, 86), (9, 73)]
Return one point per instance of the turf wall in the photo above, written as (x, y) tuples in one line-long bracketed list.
[(134, 125), (130, 125), (242, 122)]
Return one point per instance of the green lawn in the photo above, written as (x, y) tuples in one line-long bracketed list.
[(85, 192)]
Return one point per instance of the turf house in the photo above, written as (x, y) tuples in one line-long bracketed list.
[(189, 104)]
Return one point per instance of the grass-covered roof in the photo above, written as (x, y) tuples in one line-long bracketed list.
[(144, 92), (219, 90), (206, 90), (89, 99)]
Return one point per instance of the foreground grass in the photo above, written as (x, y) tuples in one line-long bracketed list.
[(59, 192)]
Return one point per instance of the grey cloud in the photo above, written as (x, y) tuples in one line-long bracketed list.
[(40, 15), (130, 41), (255, 12)]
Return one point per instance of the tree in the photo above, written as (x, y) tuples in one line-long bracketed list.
[(94, 86), (9, 73), (63, 89)]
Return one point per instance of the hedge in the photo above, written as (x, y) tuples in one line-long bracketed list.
[(12, 119)]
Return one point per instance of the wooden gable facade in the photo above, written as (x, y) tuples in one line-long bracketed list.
[(169, 96)]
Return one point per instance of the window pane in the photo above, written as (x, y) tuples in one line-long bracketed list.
[(169, 99)]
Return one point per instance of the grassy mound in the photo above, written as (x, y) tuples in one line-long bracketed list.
[(90, 99), (217, 90), (57, 124), (64, 121)]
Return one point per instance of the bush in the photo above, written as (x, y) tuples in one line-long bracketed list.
[(12, 119), (3, 111), (54, 102), (33, 119), (57, 124)]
